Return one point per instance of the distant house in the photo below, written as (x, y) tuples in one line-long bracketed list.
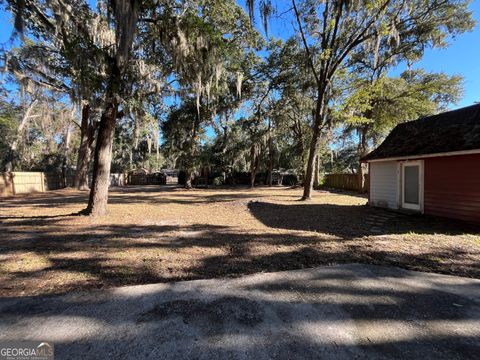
[(430, 165)]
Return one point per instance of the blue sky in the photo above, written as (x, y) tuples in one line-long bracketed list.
[(462, 57)]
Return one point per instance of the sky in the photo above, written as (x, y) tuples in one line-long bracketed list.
[(462, 57)]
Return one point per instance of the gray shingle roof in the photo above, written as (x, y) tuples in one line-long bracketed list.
[(456, 130)]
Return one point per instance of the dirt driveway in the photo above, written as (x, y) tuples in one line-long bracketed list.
[(159, 234), (349, 311)]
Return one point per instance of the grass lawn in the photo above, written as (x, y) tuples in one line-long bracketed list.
[(159, 234)]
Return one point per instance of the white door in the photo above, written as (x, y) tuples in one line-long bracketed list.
[(412, 185)]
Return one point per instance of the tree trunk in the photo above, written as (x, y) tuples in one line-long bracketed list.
[(308, 182), (297, 130), (188, 179), (270, 171), (65, 157), (124, 33), (253, 167), (302, 159), (317, 125), (12, 154), (362, 151), (97, 204), (191, 153), (270, 156), (316, 181)]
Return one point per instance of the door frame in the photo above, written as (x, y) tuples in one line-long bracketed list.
[(420, 165)]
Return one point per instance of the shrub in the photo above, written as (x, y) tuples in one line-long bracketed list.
[(181, 177), (238, 178), (218, 180), (290, 180)]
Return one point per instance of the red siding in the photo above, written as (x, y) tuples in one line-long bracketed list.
[(452, 187)]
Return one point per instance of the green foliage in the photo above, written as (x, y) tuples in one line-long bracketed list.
[(8, 129), (229, 148), (290, 180), (217, 181), (381, 105), (202, 54), (340, 161), (183, 133)]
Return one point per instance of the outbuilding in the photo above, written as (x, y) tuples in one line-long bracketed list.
[(430, 165)]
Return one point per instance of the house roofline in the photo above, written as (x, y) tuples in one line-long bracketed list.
[(423, 156)]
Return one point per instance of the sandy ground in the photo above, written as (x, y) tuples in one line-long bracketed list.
[(160, 234)]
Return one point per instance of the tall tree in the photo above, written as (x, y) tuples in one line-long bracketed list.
[(125, 17), (106, 37), (49, 56), (334, 33), (182, 132), (291, 109), (373, 108), (211, 49)]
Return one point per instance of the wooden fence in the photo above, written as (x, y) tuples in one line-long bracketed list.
[(21, 183), (14, 183), (55, 180), (346, 182)]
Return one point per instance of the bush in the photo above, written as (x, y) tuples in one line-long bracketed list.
[(238, 178), (261, 178), (290, 180), (218, 180), (181, 177)]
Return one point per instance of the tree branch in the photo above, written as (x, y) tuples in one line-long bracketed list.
[(307, 49)]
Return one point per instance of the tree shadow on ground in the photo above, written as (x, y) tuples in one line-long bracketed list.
[(310, 256), (351, 221), (151, 194), (335, 313), (66, 255), (112, 255)]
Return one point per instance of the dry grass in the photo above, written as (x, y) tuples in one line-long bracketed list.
[(155, 234)]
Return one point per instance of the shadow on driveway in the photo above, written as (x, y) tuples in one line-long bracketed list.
[(339, 312)]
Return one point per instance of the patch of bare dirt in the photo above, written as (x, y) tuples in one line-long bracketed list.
[(159, 234)]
